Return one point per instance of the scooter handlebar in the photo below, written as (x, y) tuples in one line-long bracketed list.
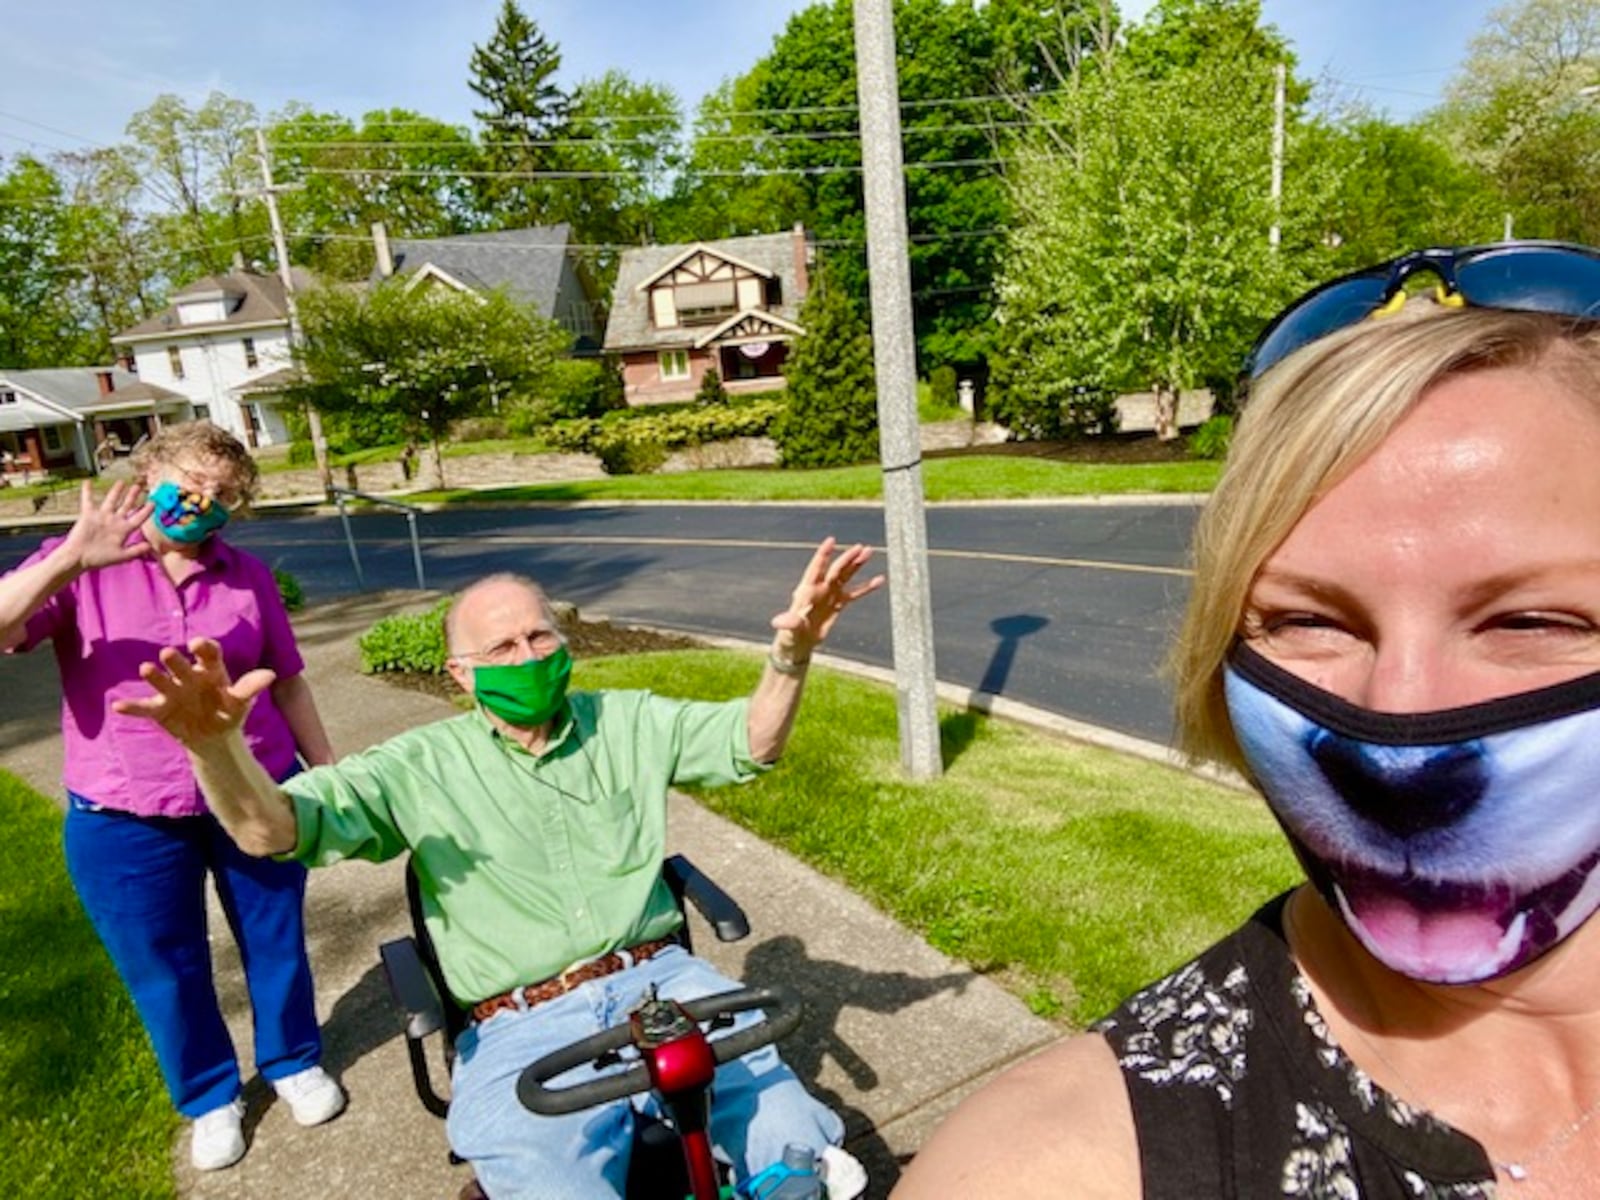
[(782, 1005)]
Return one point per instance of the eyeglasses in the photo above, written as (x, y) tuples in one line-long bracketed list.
[(1559, 278), (205, 484), (540, 643)]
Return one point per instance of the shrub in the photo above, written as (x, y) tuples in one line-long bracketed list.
[(406, 642), (832, 415), (481, 429), (677, 429), (302, 454), (943, 381), (711, 389), (294, 596), (1211, 440), (625, 455)]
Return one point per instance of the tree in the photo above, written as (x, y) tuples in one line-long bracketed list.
[(831, 418), (1139, 255), (193, 161), (623, 137), (397, 166), (525, 112), (1519, 111), (102, 236), (39, 325), (424, 356)]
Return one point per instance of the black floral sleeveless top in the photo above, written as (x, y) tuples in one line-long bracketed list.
[(1239, 1090)]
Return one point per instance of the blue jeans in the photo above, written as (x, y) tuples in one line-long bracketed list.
[(142, 882), (758, 1105)]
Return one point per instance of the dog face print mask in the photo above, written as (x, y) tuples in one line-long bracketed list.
[(1458, 845)]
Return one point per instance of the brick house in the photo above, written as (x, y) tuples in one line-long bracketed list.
[(733, 304)]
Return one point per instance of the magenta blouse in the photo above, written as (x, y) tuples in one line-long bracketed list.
[(109, 621)]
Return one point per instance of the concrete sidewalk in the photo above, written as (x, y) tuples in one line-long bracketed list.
[(895, 1033)]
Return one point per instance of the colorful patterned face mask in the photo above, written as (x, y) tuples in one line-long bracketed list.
[(186, 516), (1457, 845)]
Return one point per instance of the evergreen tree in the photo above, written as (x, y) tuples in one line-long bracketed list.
[(832, 414), (514, 73)]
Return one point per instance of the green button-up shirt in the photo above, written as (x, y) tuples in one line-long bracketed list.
[(528, 863)]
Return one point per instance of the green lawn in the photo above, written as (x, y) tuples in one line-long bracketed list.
[(82, 1111), (1070, 874), (974, 477)]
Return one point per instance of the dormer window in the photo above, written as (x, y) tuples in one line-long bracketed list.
[(703, 303)]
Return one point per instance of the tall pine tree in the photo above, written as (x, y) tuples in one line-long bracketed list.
[(524, 111)]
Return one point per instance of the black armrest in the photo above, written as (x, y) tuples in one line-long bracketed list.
[(690, 883), (412, 988)]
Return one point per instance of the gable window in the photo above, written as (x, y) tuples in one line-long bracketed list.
[(7, 396), (250, 359), (698, 303), (674, 364), (175, 361)]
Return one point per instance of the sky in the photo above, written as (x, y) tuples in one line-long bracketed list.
[(72, 72)]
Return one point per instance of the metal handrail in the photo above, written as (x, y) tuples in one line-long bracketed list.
[(411, 510)]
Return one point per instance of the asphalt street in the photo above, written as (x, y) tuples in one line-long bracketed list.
[(1065, 606)]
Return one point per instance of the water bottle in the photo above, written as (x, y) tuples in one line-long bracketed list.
[(794, 1177)]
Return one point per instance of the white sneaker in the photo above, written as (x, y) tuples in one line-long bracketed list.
[(218, 1139), (312, 1095), (842, 1172)]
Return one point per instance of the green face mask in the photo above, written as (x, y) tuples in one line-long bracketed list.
[(525, 694)]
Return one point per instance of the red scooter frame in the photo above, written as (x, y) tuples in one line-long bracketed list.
[(675, 1058)]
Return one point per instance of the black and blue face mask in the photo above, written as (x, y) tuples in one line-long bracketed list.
[(1456, 845)]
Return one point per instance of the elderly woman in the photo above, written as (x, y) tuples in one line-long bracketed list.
[(142, 568), (1394, 633)]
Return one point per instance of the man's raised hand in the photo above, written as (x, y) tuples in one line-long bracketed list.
[(823, 593), (195, 701)]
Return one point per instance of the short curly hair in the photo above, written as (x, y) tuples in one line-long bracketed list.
[(198, 440)]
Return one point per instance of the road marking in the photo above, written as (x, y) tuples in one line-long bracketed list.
[(1037, 560)]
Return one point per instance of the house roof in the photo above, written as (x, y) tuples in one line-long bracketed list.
[(256, 299), (629, 327), (59, 395), (526, 262)]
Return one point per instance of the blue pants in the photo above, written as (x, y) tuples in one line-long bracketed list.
[(142, 882), (758, 1105)]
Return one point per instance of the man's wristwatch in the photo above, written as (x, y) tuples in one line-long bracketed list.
[(791, 669)]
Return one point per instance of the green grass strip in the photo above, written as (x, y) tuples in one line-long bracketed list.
[(1070, 874), (83, 1112), (973, 477)]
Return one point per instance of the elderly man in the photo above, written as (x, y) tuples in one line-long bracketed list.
[(537, 827)]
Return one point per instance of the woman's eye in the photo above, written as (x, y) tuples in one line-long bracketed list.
[(1543, 622)]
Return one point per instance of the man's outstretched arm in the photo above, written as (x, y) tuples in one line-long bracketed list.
[(823, 593), (198, 704)]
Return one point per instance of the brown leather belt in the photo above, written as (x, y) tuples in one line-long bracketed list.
[(560, 985)]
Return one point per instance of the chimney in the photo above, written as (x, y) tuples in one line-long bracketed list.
[(104, 382), (380, 244), (125, 360), (802, 279)]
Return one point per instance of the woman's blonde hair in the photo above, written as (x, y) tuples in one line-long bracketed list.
[(1308, 422), (194, 440)]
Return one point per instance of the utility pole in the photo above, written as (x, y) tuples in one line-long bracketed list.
[(269, 192), (1281, 73), (894, 360)]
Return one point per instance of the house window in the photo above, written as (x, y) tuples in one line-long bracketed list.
[(52, 438), (175, 361), (250, 359), (674, 364), (202, 412), (703, 302), (8, 397)]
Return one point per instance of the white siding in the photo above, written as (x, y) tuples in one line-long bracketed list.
[(212, 364)]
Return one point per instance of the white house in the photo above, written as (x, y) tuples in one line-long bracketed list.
[(216, 345)]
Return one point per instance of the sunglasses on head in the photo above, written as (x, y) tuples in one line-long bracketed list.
[(1559, 278)]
